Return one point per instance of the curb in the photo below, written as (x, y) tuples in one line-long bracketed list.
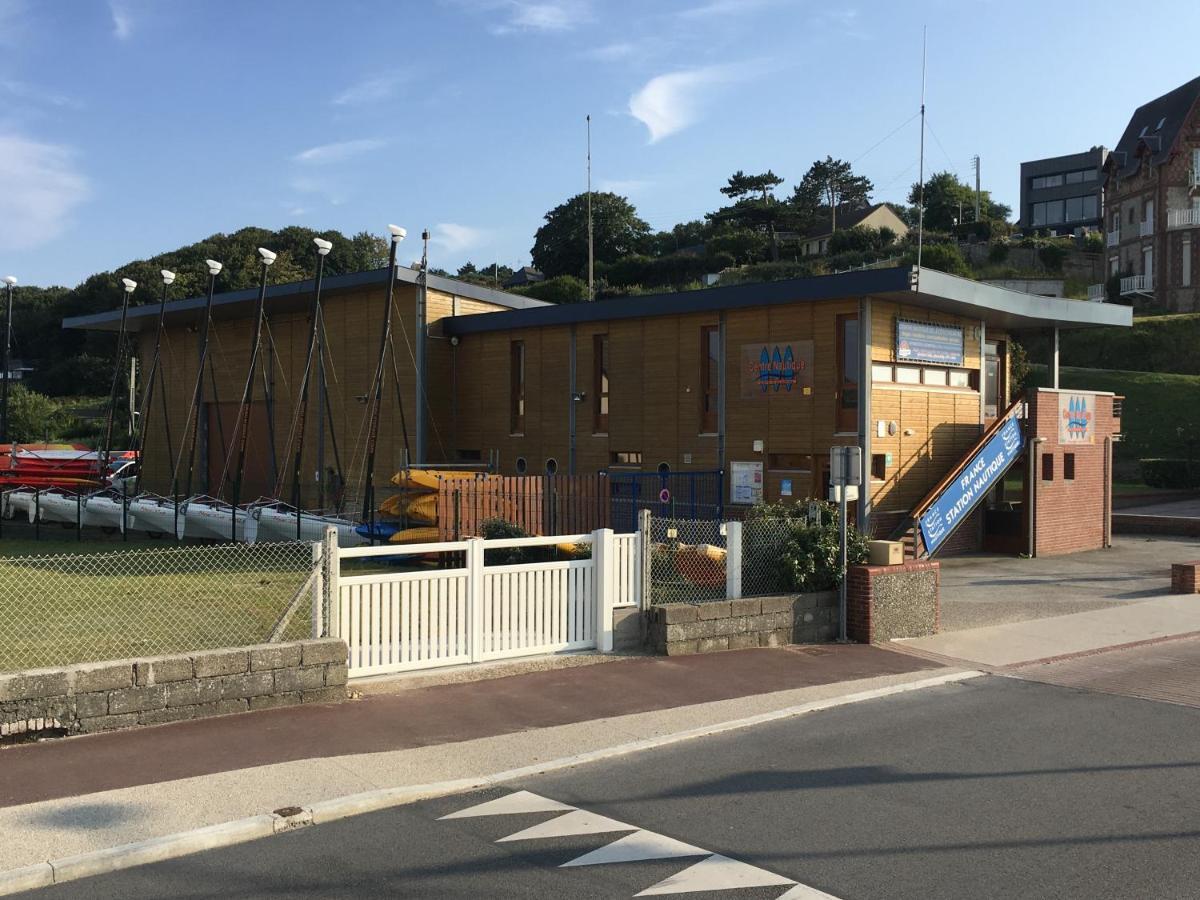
[(225, 834)]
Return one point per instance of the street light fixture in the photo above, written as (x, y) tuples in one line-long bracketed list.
[(398, 233)]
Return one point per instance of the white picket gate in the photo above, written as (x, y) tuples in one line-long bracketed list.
[(401, 621)]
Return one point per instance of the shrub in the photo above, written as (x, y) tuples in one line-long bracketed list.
[(998, 252), (809, 555), (943, 257), (561, 289), (1052, 256), (1181, 474)]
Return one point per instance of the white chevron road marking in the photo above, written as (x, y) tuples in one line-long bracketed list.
[(717, 873), (804, 892), (573, 823), (637, 847), (520, 802)]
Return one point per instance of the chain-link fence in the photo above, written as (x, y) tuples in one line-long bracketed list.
[(763, 545), (57, 610), (687, 560)]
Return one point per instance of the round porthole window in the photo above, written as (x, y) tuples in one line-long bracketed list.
[(522, 466), (664, 468), (551, 466)]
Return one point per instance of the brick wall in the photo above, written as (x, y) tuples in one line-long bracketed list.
[(887, 602), (1070, 514), (153, 690), (678, 629)]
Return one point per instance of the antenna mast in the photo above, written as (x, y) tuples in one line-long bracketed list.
[(591, 261), (921, 168)]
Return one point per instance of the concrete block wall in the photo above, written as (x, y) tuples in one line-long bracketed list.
[(678, 629), (887, 602), (124, 693)]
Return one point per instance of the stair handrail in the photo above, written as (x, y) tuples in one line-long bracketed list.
[(914, 516)]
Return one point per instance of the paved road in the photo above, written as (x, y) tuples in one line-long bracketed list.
[(990, 788)]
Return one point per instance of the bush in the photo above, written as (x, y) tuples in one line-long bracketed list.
[(809, 556), (1181, 474), (943, 257), (1052, 256), (560, 289), (998, 252)]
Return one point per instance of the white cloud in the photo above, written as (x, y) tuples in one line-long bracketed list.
[(122, 20), (39, 189), (549, 15), (454, 238), (669, 103), (612, 52), (24, 91), (337, 152), (372, 90), (715, 8)]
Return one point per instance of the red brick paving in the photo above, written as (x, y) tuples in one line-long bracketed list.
[(424, 717)]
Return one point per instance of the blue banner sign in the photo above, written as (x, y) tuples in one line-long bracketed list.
[(928, 342), (962, 495)]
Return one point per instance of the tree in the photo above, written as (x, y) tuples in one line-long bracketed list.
[(828, 184), (560, 289), (948, 201), (33, 416), (742, 186), (560, 246)]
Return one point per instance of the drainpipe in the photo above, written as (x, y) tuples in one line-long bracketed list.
[(1108, 461), (864, 412), (721, 334), (572, 393), (1054, 359)]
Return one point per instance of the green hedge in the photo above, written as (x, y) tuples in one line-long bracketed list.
[(1153, 344), (1171, 473)]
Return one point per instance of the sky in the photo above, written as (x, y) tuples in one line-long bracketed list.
[(131, 127)]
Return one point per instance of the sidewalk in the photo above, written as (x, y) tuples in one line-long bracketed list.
[(76, 795)]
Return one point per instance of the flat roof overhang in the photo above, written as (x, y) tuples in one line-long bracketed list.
[(996, 306), (294, 296)]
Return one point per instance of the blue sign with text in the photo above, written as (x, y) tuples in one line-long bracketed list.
[(929, 342), (962, 495)]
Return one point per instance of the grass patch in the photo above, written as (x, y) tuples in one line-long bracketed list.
[(71, 607)]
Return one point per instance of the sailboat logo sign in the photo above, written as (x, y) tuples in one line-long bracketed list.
[(1076, 418), (777, 369)]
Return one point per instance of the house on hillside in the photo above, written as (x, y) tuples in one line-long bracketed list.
[(815, 242), (523, 276), (1063, 193), (1152, 203)]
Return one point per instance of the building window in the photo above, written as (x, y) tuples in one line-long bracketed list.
[(908, 375), (626, 457), (600, 384), (878, 466), (1068, 467), (664, 468), (1091, 207), (710, 372), (516, 387), (1047, 467), (522, 466), (1185, 258), (797, 462), (551, 466), (848, 358)]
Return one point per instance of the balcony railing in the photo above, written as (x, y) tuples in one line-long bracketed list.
[(1184, 218), (1114, 237), (1145, 229), (1097, 293), (1137, 284)]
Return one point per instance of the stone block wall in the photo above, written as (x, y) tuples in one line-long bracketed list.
[(121, 694), (677, 629), (888, 602)]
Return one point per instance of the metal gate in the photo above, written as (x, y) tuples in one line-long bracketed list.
[(673, 495)]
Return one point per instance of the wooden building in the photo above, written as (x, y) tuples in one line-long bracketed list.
[(757, 381)]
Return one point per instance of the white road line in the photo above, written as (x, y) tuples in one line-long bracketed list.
[(578, 822), (512, 804), (637, 847), (804, 892), (717, 873)]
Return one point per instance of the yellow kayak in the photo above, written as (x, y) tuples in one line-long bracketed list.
[(423, 535), (427, 479), (393, 504)]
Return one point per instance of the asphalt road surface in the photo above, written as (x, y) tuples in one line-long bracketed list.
[(989, 788)]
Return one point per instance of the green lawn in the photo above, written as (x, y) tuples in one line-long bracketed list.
[(132, 600)]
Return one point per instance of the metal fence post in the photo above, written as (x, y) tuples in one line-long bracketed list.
[(333, 570), (733, 560), (475, 572), (603, 558), (644, 550), (318, 588)]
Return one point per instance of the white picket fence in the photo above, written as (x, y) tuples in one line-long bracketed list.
[(401, 621)]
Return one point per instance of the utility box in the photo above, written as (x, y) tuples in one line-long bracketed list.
[(885, 553)]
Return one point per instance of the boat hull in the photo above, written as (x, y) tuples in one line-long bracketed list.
[(280, 525), (207, 520), (158, 515)]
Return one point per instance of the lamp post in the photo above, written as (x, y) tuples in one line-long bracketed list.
[(129, 285), (214, 269), (9, 283), (323, 248), (139, 425), (368, 511)]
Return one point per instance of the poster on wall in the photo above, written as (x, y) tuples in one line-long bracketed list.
[(745, 482), (929, 342), (1076, 418), (777, 369)]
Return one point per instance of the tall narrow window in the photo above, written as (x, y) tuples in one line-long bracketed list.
[(710, 370), (848, 358), (1185, 258), (600, 384), (516, 387)]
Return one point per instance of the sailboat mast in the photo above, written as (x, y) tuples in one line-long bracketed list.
[(140, 426), (323, 248), (105, 454), (368, 508), (214, 268)]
